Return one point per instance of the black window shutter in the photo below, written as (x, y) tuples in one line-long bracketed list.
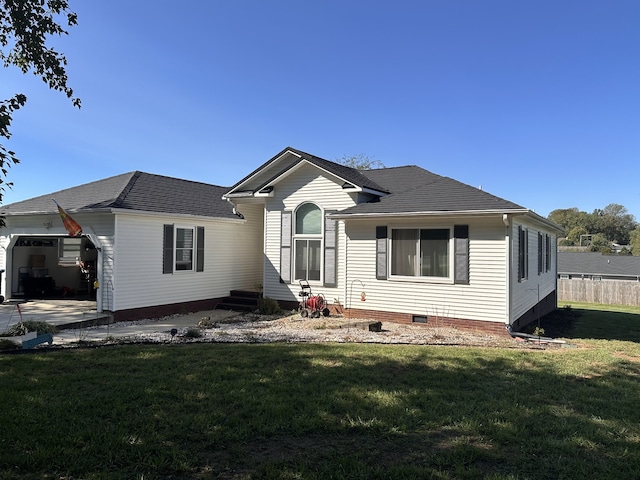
[(540, 253), (167, 249), (520, 254), (330, 257), (461, 259), (523, 253), (285, 247), (381, 253), (199, 249)]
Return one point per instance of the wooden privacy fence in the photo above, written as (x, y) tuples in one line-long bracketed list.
[(611, 292)]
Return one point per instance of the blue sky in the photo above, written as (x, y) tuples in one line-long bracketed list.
[(537, 102)]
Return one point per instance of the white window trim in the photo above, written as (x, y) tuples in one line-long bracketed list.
[(307, 236), (193, 248), (66, 261), (448, 280)]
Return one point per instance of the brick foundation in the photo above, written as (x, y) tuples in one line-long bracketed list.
[(472, 326)]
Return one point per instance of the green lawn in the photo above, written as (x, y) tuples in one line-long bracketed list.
[(327, 411), (604, 322)]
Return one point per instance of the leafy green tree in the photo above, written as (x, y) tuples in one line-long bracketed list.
[(613, 222), (634, 241), (599, 243), (360, 162), (575, 234), (571, 218), (25, 28)]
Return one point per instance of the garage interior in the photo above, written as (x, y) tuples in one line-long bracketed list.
[(53, 268)]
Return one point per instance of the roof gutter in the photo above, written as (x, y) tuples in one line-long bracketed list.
[(459, 213)]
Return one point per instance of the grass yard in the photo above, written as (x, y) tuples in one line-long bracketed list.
[(604, 322), (315, 411)]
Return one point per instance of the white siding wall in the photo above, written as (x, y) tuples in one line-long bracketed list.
[(526, 293), (306, 184), (485, 298), (232, 260)]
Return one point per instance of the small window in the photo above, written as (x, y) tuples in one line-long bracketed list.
[(183, 249), (420, 319), (69, 251)]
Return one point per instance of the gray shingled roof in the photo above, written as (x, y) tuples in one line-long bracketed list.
[(426, 192), (138, 191), (595, 263), (408, 189), (400, 179)]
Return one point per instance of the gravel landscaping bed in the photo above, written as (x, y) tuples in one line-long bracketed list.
[(255, 328)]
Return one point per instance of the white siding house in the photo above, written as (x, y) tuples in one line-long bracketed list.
[(153, 245), (396, 244), (410, 246)]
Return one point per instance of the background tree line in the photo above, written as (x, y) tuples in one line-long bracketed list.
[(599, 229)]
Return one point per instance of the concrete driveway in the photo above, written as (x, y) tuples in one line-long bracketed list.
[(78, 320)]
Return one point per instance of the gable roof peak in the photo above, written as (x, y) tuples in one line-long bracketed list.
[(279, 165)]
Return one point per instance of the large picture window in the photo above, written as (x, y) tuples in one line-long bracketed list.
[(421, 252), (308, 242)]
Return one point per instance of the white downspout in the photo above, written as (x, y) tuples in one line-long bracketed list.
[(508, 300)]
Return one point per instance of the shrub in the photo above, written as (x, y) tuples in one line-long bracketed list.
[(8, 344), (192, 333), (269, 306), (37, 326), (207, 322)]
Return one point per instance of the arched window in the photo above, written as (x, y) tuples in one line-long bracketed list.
[(308, 242)]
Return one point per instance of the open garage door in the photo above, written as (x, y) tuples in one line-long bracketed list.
[(53, 267)]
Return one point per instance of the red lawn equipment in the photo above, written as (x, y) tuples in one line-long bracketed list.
[(311, 305)]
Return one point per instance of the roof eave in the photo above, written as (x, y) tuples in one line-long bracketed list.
[(547, 223), (432, 213), (236, 188), (70, 211), (235, 192), (458, 213), (169, 214)]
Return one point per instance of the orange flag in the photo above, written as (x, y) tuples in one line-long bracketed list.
[(73, 227)]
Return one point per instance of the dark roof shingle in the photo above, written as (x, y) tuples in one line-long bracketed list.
[(138, 191), (420, 191)]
